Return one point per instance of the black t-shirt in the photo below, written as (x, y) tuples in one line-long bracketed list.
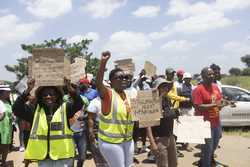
[(165, 129)]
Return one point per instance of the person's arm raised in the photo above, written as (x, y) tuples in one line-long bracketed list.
[(99, 78)]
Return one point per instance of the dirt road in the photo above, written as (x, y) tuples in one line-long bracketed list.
[(234, 151)]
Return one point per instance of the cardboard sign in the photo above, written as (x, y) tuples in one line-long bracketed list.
[(67, 67), (192, 129), (48, 66), (30, 67), (147, 108), (150, 68), (77, 70), (126, 65)]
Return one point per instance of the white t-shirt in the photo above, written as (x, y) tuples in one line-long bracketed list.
[(131, 92), (2, 110), (95, 107)]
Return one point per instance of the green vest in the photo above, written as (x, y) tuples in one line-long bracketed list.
[(117, 126), (6, 125), (61, 144)]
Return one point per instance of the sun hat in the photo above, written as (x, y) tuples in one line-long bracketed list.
[(160, 81), (187, 75), (5, 87)]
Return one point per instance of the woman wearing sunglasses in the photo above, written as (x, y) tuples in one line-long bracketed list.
[(115, 124), (50, 142)]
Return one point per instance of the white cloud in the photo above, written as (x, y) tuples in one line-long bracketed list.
[(237, 47), (181, 45), (103, 8), (195, 24), (127, 43), (202, 23), (224, 5), (199, 16), (48, 8), (147, 11), (184, 8), (12, 29), (90, 35)]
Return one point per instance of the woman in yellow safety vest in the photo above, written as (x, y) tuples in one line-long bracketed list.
[(115, 121), (50, 142)]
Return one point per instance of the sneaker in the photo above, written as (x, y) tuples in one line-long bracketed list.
[(21, 149)]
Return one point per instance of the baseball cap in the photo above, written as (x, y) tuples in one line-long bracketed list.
[(180, 72), (169, 71), (84, 81)]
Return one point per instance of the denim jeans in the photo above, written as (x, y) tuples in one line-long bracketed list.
[(210, 146), (69, 162), (80, 139)]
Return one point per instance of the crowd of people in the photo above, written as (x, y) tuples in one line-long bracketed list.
[(60, 124)]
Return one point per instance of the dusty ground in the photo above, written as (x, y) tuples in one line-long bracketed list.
[(234, 152)]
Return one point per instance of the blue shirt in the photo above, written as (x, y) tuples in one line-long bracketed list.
[(90, 94)]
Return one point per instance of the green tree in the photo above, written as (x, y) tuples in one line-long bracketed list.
[(246, 59), (72, 50), (235, 71), (20, 69), (246, 71)]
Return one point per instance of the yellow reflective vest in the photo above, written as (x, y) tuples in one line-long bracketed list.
[(117, 126), (55, 141)]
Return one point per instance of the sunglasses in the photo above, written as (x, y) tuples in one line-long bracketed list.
[(45, 94), (122, 77)]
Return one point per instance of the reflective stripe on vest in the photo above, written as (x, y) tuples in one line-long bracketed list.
[(60, 135), (115, 135), (118, 131)]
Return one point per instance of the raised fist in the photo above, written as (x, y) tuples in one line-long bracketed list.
[(105, 56)]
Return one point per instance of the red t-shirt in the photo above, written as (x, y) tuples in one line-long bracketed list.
[(206, 95)]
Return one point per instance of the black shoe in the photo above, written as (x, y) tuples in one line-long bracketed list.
[(179, 154), (136, 161), (197, 163)]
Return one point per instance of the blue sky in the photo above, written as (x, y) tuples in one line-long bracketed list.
[(187, 34)]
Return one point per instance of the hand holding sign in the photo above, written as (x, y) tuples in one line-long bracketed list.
[(30, 84)]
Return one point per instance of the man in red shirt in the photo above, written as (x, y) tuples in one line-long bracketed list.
[(207, 100)]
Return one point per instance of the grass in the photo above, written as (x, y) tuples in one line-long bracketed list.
[(239, 131), (240, 81)]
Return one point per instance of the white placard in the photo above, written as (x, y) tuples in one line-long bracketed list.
[(22, 85), (192, 129)]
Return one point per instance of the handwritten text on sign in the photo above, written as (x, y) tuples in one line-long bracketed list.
[(147, 108)]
